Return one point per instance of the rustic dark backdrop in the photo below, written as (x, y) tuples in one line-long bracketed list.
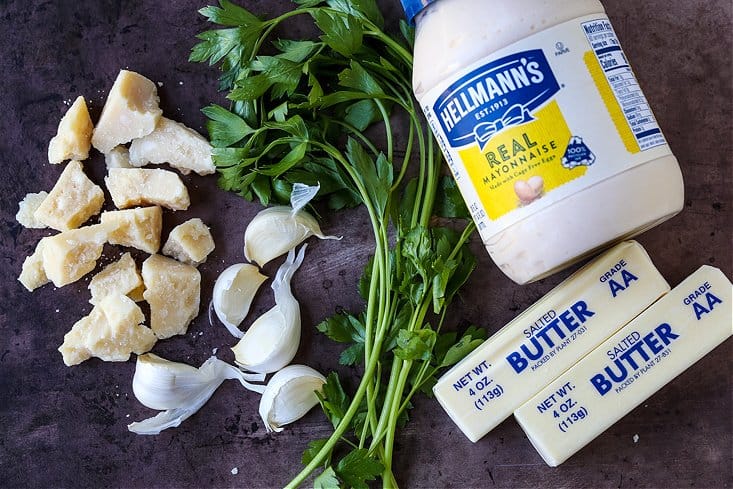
[(66, 427)]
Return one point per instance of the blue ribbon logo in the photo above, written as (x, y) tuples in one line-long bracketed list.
[(494, 96), (515, 116)]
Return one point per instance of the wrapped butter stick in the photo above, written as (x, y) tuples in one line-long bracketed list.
[(548, 338), (677, 331)]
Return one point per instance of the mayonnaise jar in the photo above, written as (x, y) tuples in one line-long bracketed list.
[(544, 126)]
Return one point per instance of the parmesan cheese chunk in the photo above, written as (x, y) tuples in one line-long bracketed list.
[(137, 293), (27, 208), (74, 136), (118, 278), (33, 275), (137, 186), (118, 157), (131, 111), (139, 228), (72, 201), (173, 291), (190, 242), (70, 255), (110, 332), (173, 143)]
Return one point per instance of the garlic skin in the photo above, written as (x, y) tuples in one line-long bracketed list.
[(272, 340), (277, 230), (289, 395), (179, 390), (233, 293)]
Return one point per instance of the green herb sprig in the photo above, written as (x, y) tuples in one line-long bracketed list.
[(299, 114)]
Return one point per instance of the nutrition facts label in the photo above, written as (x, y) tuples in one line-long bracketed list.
[(634, 105)]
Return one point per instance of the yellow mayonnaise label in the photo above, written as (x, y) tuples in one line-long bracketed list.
[(541, 120), (520, 164)]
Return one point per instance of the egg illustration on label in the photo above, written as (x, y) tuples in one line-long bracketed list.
[(529, 190)]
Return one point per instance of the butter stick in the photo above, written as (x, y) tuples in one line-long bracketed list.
[(677, 331), (548, 338)]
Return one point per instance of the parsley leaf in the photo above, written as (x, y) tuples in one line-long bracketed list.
[(470, 340), (333, 399), (358, 467), (358, 78), (449, 202), (345, 328), (215, 45), (326, 480), (341, 32), (295, 51), (376, 176), (362, 114), (314, 446), (415, 345), (229, 14), (366, 9), (225, 128)]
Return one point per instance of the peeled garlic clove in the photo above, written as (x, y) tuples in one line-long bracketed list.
[(233, 293), (289, 395), (180, 389), (158, 383), (277, 230), (272, 340)]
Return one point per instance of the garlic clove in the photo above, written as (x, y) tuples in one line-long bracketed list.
[(289, 395), (276, 230), (233, 293), (179, 389), (272, 340), (161, 384)]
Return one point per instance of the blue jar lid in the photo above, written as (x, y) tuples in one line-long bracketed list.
[(413, 7)]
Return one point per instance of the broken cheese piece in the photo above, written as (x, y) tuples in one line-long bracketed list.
[(118, 157), (173, 291), (140, 186), (137, 293), (33, 275), (173, 143), (70, 255), (73, 200), (139, 228), (118, 278), (74, 136), (110, 332), (131, 111), (27, 208), (190, 242)]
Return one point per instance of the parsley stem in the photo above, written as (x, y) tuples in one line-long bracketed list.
[(431, 185), (384, 418), (387, 128), (394, 409), (343, 425), (405, 55), (421, 175), (406, 159), (356, 132)]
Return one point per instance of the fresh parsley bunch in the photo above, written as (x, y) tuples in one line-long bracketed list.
[(299, 114)]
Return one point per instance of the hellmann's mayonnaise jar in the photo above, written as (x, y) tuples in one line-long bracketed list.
[(544, 126)]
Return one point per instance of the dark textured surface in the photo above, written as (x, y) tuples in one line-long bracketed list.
[(66, 427)]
